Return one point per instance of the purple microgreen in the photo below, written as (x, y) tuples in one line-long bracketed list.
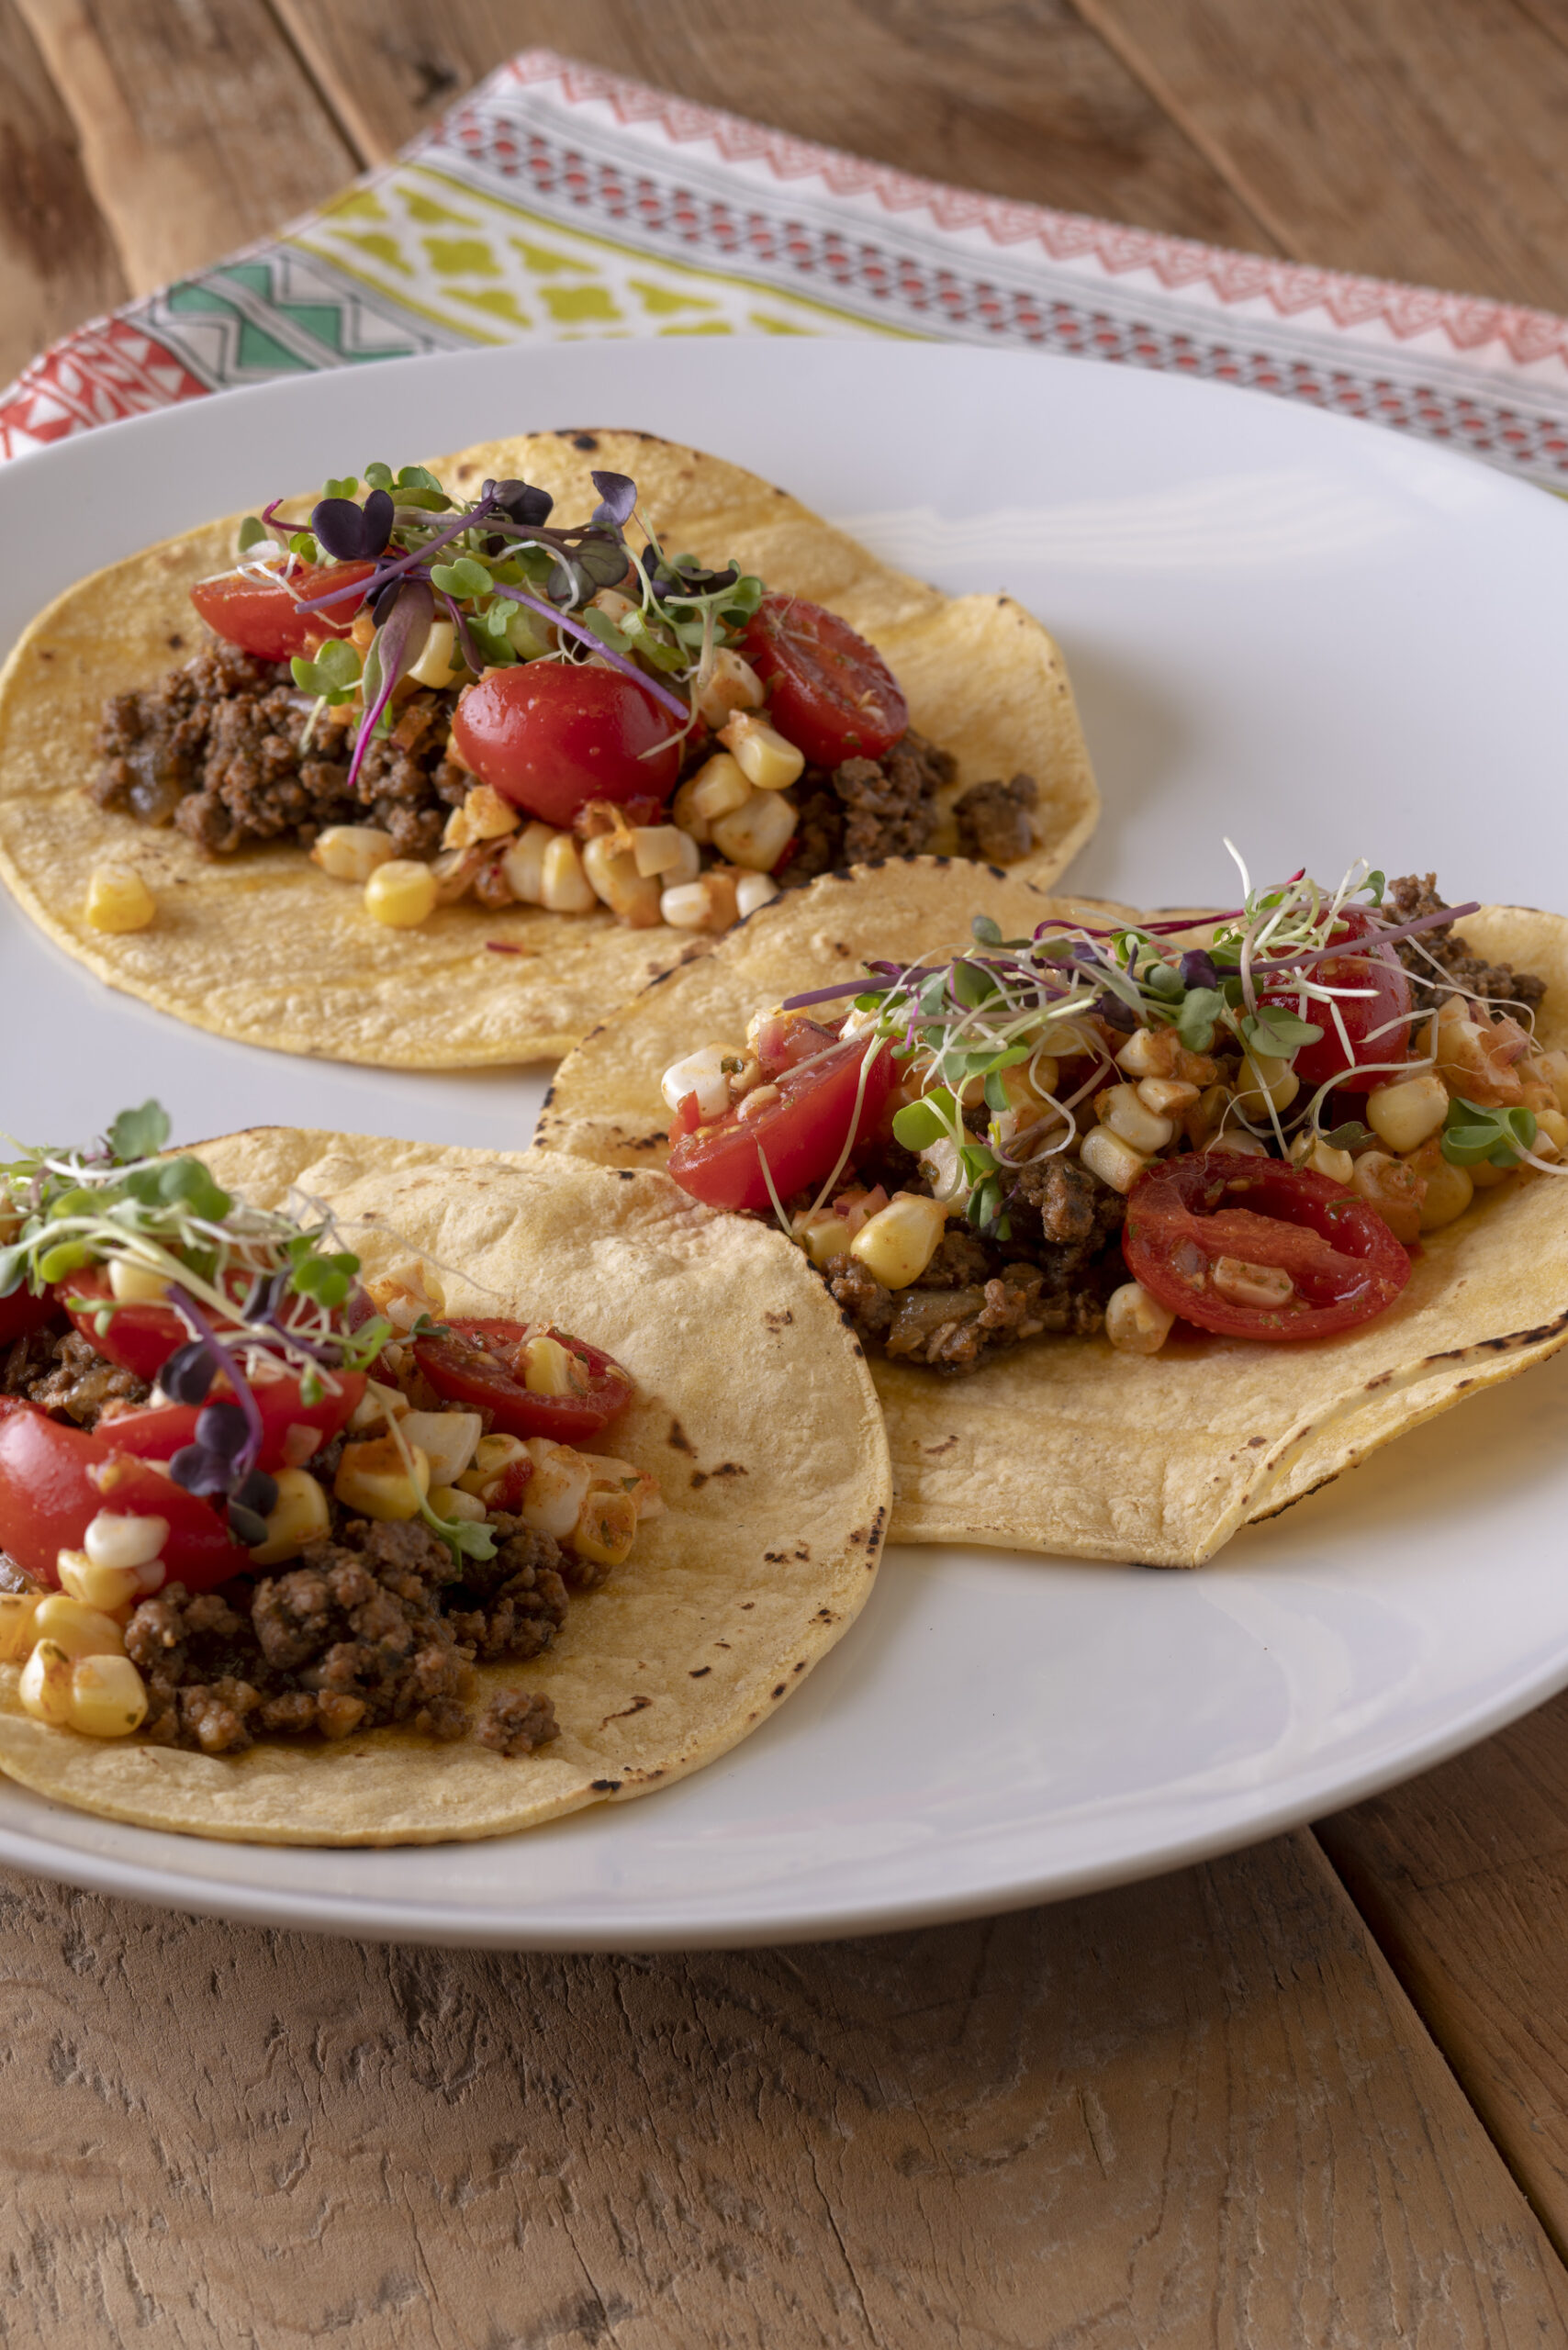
[(1197, 969), (353, 534), (527, 507), (459, 618), (397, 644), (618, 497), (219, 1354)]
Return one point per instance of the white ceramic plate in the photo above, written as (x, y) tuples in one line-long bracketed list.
[(1318, 638)]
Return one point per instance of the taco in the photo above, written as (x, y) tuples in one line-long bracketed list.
[(433, 781), (362, 1492), (1149, 1225)]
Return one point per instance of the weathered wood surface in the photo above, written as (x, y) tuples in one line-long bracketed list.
[(199, 129), (1195, 2112), (1462, 1875), (1412, 138), (1023, 101), (57, 265)]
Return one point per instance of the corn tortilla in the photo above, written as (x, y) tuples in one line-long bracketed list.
[(754, 1410), (265, 948), (1064, 1445)]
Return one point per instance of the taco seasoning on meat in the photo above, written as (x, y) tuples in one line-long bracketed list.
[(491, 707), (257, 1501), (1147, 1225)]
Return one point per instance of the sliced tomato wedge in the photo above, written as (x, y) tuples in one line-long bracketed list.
[(802, 1135), (1185, 1214), (54, 1479), (830, 692), (22, 1312), (157, 1433), (478, 1367), (262, 617)]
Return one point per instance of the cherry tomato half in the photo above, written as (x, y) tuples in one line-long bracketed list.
[(1184, 1213), (1377, 1022), (158, 1432), (802, 1134), (549, 736), (54, 1479), (833, 694), (262, 616), (22, 1312), (478, 1367), (140, 1339)]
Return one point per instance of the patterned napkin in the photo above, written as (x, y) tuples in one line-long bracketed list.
[(560, 203)]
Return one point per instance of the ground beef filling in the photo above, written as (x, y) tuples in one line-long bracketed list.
[(371, 1628), (978, 1294), (64, 1373), (218, 749), (1459, 970)]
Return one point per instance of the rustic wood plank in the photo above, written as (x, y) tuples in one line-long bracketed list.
[(1198, 2111), (1462, 1875), (199, 130), (57, 259), (1022, 102), (1414, 139)]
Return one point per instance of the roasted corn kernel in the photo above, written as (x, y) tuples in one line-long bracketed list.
[(754, 835), (613, 876), (435, 665), (564, 887), (1247, 1284), (1404, 1115), (605, 1526), (373, 1477), (401, 893), (664, 851), (754, 890), (718, 787), (299, 1515), (78, 1630), (1264, 1079), (447, 1439), (708, 903), (1108, 1155), (118, 899), (1121, 1110), (136, 1285), (106, 1590), (108, 1697), (732, 684), (351, 852), (45, 1686), (18, 1609), (762, 753), (1395, 1188), (551, 1369), (522, 864), (1136, 1323), (898, 1243)]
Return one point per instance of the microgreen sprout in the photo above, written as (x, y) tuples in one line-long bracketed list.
[(980, 1032), (258, 1294), (514, 586)]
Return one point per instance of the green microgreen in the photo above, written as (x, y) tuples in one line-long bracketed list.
[(1498, 1137)]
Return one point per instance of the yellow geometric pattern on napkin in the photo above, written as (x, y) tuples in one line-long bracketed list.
[(492, 271)]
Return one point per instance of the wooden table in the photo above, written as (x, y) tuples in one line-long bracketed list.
[(1309, 2095)]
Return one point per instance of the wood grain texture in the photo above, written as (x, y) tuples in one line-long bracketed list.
[(1194, 2113), (57, 259), (1022, 100), (1462, 1874), (199, 130), (1410, 139)]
